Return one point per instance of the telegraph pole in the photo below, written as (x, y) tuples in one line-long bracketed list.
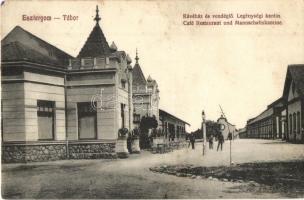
[(204, 131), (229, 134)]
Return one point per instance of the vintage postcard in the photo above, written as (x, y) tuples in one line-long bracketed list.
[(151, 99)]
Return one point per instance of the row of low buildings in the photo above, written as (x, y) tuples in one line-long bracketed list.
[(283, 118), (55, 106)]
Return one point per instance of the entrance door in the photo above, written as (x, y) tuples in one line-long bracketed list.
[(87, 121)]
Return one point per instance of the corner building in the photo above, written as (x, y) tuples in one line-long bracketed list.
[(55, 106)]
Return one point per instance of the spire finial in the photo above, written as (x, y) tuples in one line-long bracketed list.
[(136, 58), (97, 18)]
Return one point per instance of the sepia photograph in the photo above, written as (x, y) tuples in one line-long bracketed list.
[(151, 99)]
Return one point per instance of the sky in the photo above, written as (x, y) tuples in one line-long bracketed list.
[(241, 68)]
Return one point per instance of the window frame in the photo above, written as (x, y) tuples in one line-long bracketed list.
[(46, 107), (298, 122), (83, 112)]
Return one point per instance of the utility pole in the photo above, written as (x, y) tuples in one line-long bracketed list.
[(229, 134), (204, 131)]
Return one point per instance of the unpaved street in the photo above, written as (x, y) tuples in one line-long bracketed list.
[(131, 178)]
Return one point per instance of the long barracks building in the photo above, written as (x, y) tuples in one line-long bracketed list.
[(284, 118)]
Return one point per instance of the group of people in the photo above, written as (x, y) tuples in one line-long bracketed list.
[(220, 139)]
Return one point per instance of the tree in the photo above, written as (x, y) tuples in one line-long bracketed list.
[(212, 128), (146, 123)]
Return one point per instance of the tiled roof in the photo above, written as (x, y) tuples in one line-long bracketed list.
[(265, 114), (138, 76), (277, 103), (96, 44), (20, 44), (163, 112), (16, 51), (294, 73), (297, 74)]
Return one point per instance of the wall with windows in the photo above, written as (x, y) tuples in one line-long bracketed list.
[(83, 102), (142, 106), (123, 110), (261, 129), (146, 101), (44, 107), (294, 121), (21, 114), (171, 126)]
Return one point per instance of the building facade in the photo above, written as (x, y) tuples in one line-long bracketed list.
[(226, 127), (55, 106), (261, 126), (145, 95), (242, 133), (269, 124), (172, 127), (293, 96), (283, 119)]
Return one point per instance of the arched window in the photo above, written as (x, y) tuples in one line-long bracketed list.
[(290, 123), (294, 123), (298, 123)]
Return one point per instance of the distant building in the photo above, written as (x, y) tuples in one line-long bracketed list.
[(268, 124), (242, 133), (145, 95), (226, 127), (261, 126), (173, 128)]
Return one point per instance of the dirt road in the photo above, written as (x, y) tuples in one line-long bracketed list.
[(131, 178)]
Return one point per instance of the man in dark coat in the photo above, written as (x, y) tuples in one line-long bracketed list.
[(192, 140), (210, 142), (220, 141), (129, 142)]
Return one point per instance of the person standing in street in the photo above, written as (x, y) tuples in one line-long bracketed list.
[(220, 141), (192, 140), (211, 142)]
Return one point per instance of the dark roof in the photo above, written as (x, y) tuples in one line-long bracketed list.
[(16, 51), (265, 114), (162, 112), (277, 103), (295, 73), (20, 44), (96, 44), (138, 76), (241, 130)]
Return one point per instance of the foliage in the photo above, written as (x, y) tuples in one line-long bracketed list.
[(212, 128), (147, 123), (145, 138), (122, 132)]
